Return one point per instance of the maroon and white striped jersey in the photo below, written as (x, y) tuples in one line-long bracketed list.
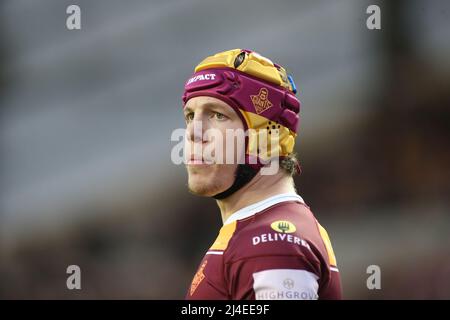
[(274, 249)]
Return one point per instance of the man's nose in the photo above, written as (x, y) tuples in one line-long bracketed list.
[(195, 130)]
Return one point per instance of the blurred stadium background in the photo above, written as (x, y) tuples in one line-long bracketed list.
[(86, 118)]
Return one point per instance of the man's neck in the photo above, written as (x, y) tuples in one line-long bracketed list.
[(258, 189)]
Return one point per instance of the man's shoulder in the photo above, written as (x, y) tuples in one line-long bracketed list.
[(287, 228)]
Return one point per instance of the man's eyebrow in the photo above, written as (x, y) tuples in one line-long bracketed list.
[(209, 105), (217, 107)]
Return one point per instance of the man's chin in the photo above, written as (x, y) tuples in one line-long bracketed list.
[(200, 193), (203, 188), (207, 182)]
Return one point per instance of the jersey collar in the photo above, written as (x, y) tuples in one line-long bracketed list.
[(262, 205)]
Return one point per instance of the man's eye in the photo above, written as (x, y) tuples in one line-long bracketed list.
[(219, 116)]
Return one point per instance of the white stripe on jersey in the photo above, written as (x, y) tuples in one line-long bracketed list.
[(214, 252), (334, 269), (285, 284), (262, 205)]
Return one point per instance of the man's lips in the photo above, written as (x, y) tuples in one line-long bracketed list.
[(197, 160)]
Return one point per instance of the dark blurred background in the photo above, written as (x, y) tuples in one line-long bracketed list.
[(86, 118)]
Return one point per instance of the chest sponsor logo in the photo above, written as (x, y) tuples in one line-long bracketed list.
[(274, 237), (283, 226)]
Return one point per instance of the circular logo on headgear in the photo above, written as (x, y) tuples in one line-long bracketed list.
[(283, 226)]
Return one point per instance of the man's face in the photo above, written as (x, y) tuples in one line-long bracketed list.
[(205, 115)]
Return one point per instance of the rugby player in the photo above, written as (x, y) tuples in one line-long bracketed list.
[(270, 245)]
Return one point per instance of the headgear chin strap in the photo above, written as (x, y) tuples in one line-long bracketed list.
[(244, 174), (263, 96)]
